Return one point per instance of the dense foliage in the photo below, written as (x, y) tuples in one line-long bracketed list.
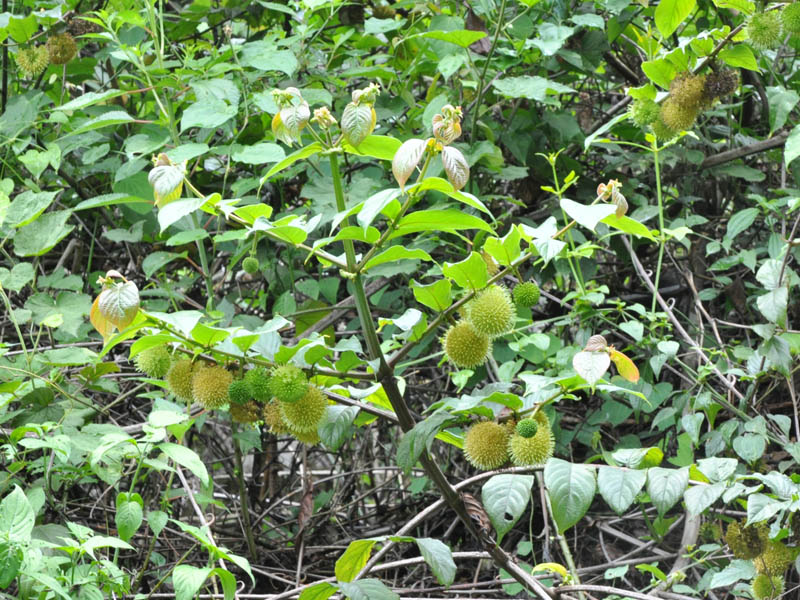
[(369, 300)]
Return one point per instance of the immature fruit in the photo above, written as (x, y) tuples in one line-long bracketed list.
[(273, 419), (688, 91), (765, 587), (765, 29), (534, 450), (644, 111), (210, 386), (154, 362), (527, 294), (492, 312), (721, 83), (485, 445), (710, 531), (307, 437), (774, 560), (32, 61), (661, 130), (676, 116), (790, 15), (239, 393), (527, 428), (465, 347), (61, 47), (249, 412), (288, 383), (258, 381), (746, 542), (250, 265), (306, 413), (179, 378)]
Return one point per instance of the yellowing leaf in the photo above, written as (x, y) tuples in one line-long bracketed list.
[(554, 567), (100, 322), (625, 366)]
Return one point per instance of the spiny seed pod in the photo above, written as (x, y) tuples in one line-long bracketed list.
[(32, 61), (250, 265), (688, 91), (154, 362), (306, 413), (273, 419), (492, 312), (250, 412), (766, 588), (210, 386), (485, 445), (258, 380), (383, 11), (465, 347), (746, 542), (644, 111), (661, 130), (721, 83), (710, 531), (527, 428), (62, 48), (288, 383), (535, 450), (765, 30), (676, 116), (527, 294), (179, 378), (790, 15), (239, 392), (310, 438), (774, 560)]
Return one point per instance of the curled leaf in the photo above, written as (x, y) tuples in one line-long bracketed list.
[(115, 307), (596, 343), (456, 167), (167, 181), (406, 159), (358, 121)]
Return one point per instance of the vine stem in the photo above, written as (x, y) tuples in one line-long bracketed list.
[(661, 238), (243, 501)]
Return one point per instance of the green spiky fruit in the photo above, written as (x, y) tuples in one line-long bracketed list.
[(273, 419), (492, 312), (765, 29), (790, 16), (62, 48), (710, 531), (775, 559), (485, 445), (288, 383), (258, 380), (534, 450), (721, 83), (310, 438), (676, 116), (746, 542), (179, 378), (32, 61), (688, 91), (662, 131), (527, 294), (210, 386), (644, 111), (765, 587), (527, 428), (251, 265), (249, 412), (465, 347), (239, 393), (306, 413), (154, 362)]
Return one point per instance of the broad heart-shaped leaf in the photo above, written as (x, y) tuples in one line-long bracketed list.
[(177, 209), (440, 559), (666, 486), (571, 489), (336, 424), (186, 457), (671, 13), (750, 446), (406, 159), (505, 497), (700, 497), (761, 507), (437, 295), (187, 580), (628, 225), (470, 273), (319, 591), (353, 559), (588, 216), (619, 487), (16, 517), (591, 365), (455, 166), (504, 250), (358, 121), (367, 589), (625, 366), (119, 303), (773, 304), (128, 517), (167, 182)]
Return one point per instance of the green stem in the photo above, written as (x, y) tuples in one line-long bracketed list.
[(661, 238), (13, 319), (500, 16), (248, 532), (341, 206)]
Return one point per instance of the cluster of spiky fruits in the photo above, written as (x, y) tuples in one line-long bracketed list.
[(59, 50), (490, 314), (282, 397), (489, 445)]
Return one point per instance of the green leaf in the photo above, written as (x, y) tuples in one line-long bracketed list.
[(186, 457), (628, 225), (739, 56), (551, 38), (439, 558), (396, 253), (156, 520), (17, 278), (773, 304), (619, 487), (177, 209), (453, 221), (90, 99), (319, 591), (470, 273), (660, 71), (671, 13), (187, 580), (504, 250), (666, 486), (10, 560), (437, 296), (419, 438), (264, 56), (353, 559), (16, 517), (336, 425), (114, 117), (22, 28), (505, 497), (382, 147), (750, 446), (735, 571), (761, 507), (532, 88), (460, 37), (588, 216), (367, 589), (155, 260), (110, 200), (300, 154), (571, 489), (741, 221), (700, 497), (128, 517), (792, 148), (259, 154), (42, 234), (209, 113), (442, 185), (374, 205)]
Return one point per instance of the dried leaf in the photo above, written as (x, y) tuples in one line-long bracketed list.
[(306, 507), (477, 512)]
